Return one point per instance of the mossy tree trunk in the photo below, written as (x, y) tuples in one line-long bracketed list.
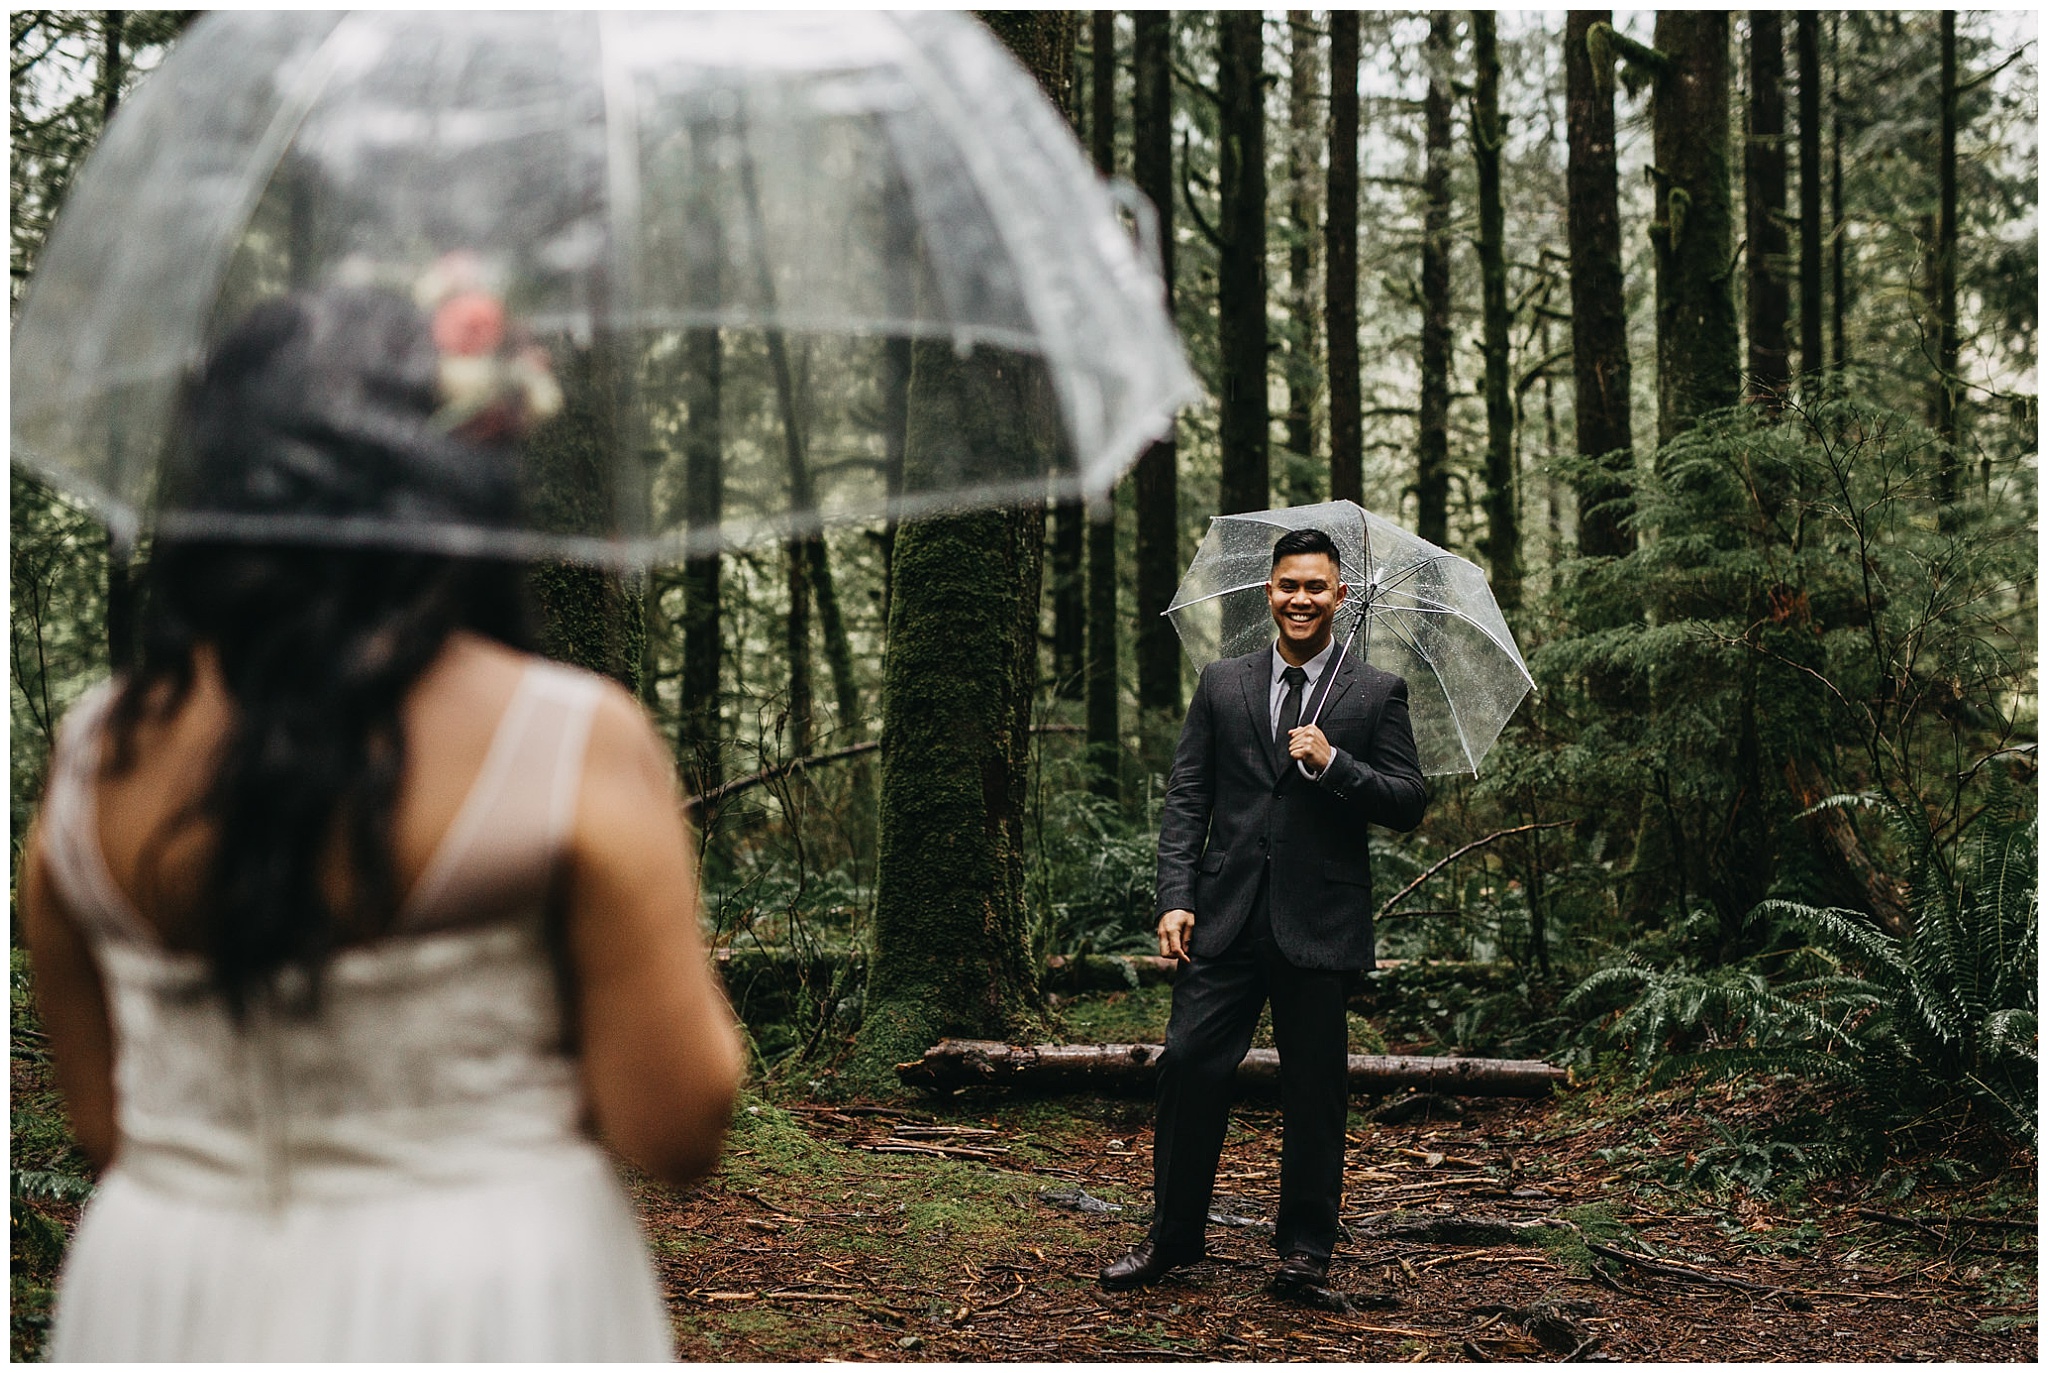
[(1811, 363), (1947, 343), (1699, 347), (1340, 265), (951, 936), (1433, 434), (1838, 294), (1503, 518), (584, 615), (121, 572), (1158, 474), (1600, 365), (1105, 746), (1763, 204), (1241, 267), (1304, 129)]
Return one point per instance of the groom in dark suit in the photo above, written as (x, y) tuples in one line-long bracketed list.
[(1265, 890)]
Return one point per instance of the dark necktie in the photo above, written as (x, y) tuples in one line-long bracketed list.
[(1290, 705)]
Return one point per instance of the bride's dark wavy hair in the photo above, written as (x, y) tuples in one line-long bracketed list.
[(319, 404)]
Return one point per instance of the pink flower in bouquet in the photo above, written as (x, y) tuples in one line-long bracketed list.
[(469, 325)]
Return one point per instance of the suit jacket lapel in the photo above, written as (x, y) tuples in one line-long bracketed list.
[(1343, 672), (1258, 686)]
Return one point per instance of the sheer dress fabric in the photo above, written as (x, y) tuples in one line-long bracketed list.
[(405, 1174)]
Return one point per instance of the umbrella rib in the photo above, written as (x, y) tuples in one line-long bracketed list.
[(1226, 591), (1457, 723)]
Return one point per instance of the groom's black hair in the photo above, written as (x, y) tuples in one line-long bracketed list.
[(1310, 540)]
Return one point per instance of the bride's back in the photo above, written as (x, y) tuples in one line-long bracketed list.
[(158, 858)]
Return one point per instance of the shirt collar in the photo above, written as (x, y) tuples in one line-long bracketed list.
[(1314, 666)]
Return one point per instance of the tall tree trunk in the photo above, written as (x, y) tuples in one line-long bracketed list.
[(1104, 743), (1600, 366), (704, 498), (1158, 476), (1304, 125), (1340, 264), (1946, 343), (1763, 200), (585, 615), (1503, 521), (121, 577), (1433, 436), (796, 646), (1811, 363), (815, 576), (1069, 598), (951, 948), (1699, 348), (895, 422), (1241, 270), (1838, 296)]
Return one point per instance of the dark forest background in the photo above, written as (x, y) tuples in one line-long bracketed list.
[(1711, 336)]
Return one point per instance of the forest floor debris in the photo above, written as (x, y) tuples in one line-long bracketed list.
[(1517, 1232)]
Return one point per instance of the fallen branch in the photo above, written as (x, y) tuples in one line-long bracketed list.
[(794, 765), (955, 1063), (1387, 909), (1672, 1270)]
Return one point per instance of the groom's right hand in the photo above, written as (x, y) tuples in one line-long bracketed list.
[(1174, 929)]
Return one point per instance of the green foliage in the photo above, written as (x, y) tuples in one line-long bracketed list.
[(1799, 610), (1091, 876), (1928, 1025)]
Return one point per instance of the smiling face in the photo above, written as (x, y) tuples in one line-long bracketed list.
[(1304, 593)]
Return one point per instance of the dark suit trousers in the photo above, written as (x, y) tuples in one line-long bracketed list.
[(1216, 1004)]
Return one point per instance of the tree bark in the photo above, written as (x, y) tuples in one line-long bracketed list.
[(1158, 477), (1433, 437), (121, 577), (1699, 354), (1105, 746), (955, 1063), (1770, 355), (584, 615), (1811, 363), (1946, 343), (704, 496), (951, 949), (1340, 265), (1241, 268), (796, 645), (1600, 364), (1839, 296), (1489, 132), (1069, 598), (1303, 126)]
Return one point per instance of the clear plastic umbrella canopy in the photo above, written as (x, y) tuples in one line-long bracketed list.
[(1413, 609), (714, 248)]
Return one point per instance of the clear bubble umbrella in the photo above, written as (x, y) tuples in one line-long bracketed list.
[(714, 247), (1413, 609)]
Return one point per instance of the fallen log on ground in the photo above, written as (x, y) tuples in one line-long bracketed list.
[(954, 1063)]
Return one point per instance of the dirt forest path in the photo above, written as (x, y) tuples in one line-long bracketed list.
[(970, 1231)]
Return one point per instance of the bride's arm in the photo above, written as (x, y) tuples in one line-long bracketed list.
[(661, 1056), (73, 1005)]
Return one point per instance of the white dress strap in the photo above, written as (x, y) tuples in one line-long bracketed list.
[(70, 823), (508, 835)]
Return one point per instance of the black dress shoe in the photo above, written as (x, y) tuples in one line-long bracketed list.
[(1143, 1266), (1301, 1269)]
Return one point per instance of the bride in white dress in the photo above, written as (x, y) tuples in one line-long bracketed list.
[(354, 926)]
